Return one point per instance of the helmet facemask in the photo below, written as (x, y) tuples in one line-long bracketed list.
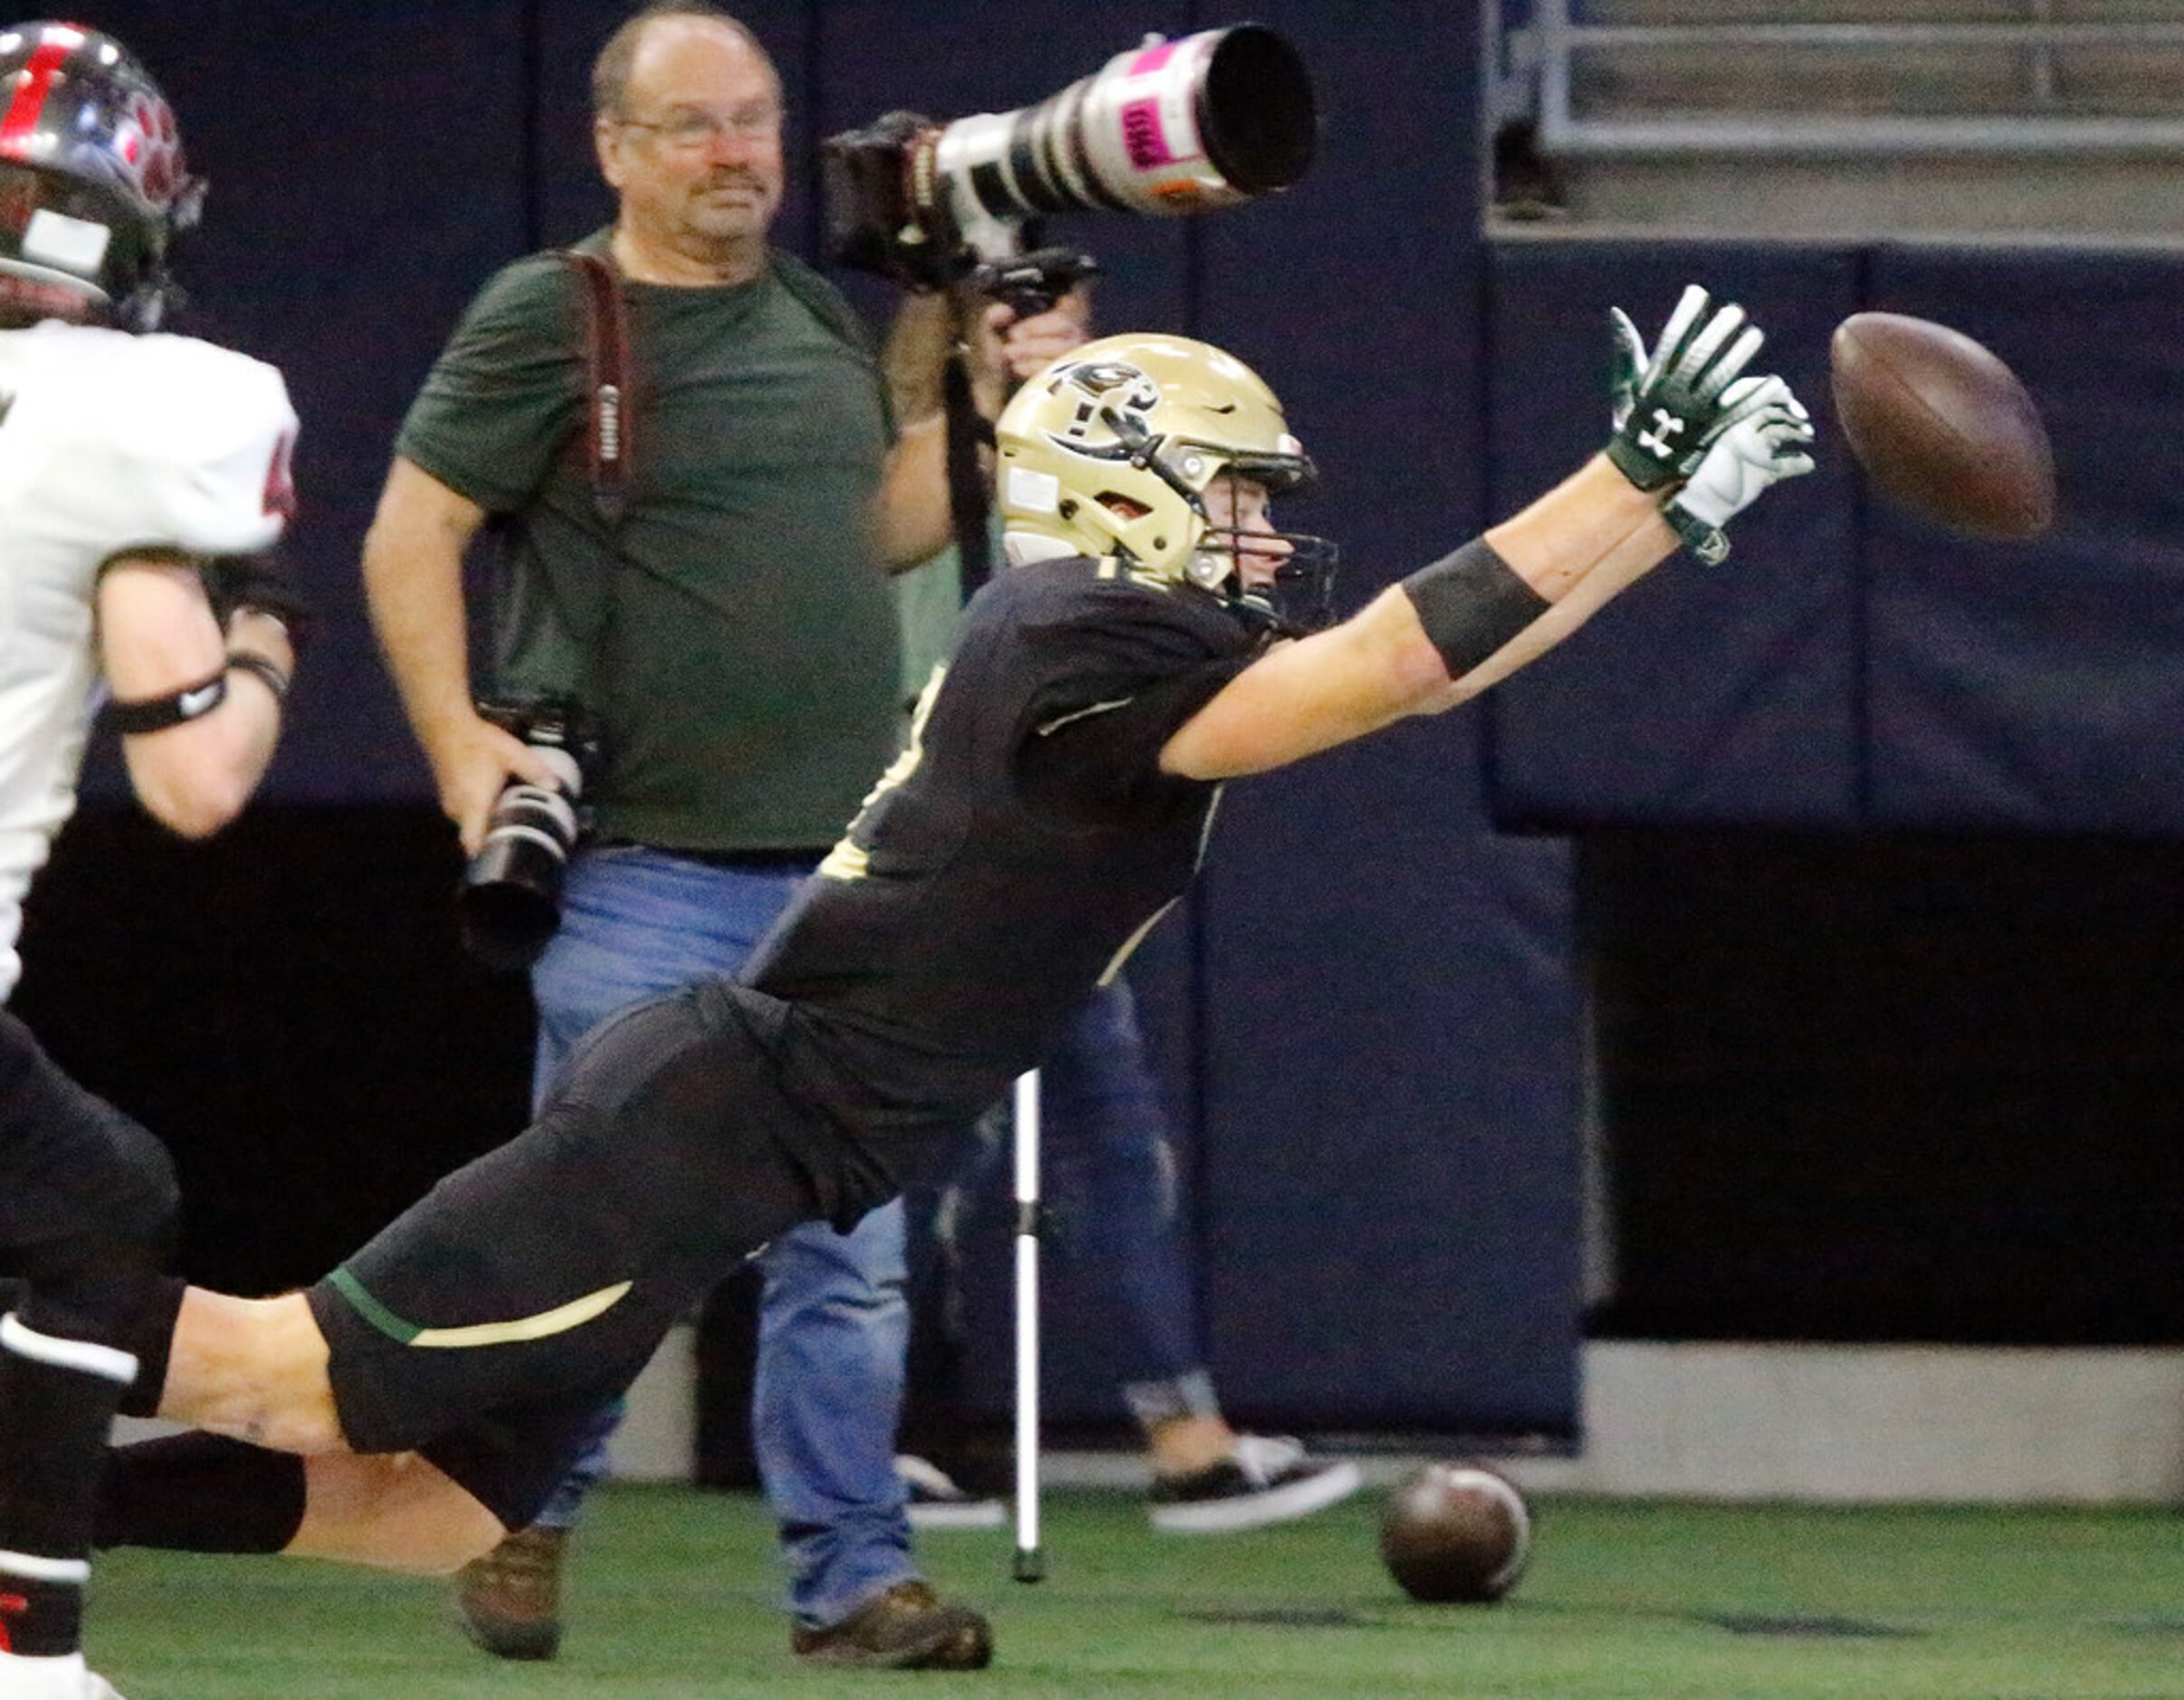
[(1284, 578)]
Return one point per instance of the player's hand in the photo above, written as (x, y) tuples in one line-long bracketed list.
[(1668, 404), (472, 764), (1761, 437)]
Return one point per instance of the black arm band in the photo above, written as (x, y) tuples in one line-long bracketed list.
[(264, 666), (1471, 603), (163, 712)]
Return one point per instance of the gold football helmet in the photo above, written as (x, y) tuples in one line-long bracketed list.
[(1109, 451)]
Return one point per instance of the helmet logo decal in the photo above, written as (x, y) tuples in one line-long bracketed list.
[(147, 140), (1104, 385)]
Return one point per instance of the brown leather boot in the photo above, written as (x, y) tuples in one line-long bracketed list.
[(510, 1600), (906, 1627)]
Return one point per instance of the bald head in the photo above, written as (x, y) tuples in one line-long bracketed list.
[(611, 71)]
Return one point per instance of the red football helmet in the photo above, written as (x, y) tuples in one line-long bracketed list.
[(92, 183)]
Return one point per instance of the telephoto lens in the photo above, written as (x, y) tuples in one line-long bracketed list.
[(509, 902), (1164, 130)]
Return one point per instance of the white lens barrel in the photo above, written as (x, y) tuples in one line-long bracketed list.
[(1164, 130), (1140, 129)]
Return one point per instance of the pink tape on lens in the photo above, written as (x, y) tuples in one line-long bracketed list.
[(1145, 135)]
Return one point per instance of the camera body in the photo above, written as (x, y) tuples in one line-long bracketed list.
[(1167, 128), (509, 905)]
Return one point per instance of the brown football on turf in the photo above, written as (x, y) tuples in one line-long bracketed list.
[(1942, 426), (1456, 1533)]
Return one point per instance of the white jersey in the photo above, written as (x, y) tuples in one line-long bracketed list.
[(110, 444)]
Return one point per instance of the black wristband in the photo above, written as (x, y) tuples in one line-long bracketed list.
[(263, 667), (1470, 603), (162, 711)]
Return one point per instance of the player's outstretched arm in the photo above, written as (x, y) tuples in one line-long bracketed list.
[(198, 705), (1496, 603), (1683, 425)]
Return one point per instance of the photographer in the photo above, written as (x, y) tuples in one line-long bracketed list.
[(727, 627)]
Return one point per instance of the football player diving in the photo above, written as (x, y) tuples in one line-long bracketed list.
[(1153, 638), (136, 470)]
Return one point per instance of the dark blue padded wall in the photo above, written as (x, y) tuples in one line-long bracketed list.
[(368, 167), (1718, 694), (1389, 1050), (2037, 685), (1854, 666)]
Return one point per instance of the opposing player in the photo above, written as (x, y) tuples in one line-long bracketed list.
[(1051, 804), (129, 463)]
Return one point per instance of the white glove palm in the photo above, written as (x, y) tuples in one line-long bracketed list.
[(1761, 439), (1757, 435)]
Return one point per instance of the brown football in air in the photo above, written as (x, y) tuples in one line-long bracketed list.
[(1456, 1533), (1942, 426)]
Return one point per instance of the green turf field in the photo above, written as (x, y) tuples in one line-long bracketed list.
[(672, 1592)]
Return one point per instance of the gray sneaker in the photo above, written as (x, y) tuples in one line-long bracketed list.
[(1266, 1479)]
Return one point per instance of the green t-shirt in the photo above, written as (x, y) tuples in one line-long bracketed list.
[(734, 638)]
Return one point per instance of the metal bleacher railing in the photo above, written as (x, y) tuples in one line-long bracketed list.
[(1598, 77)]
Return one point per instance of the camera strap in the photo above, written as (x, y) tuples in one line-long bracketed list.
[(610, 419), (968, 501)]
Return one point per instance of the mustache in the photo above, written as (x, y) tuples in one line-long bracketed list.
[(734, 177)]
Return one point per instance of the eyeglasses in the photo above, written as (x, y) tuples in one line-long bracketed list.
[(689, 132)]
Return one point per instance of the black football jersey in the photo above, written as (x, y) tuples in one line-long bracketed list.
[(1015, 854)]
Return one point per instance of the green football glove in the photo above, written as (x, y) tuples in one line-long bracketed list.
[(1668, 406)]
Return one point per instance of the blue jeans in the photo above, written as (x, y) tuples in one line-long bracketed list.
[(1109, 1170), (833, 1323)]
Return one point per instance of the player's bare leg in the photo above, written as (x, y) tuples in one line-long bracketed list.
[(391, 1512), (253, 1369)]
